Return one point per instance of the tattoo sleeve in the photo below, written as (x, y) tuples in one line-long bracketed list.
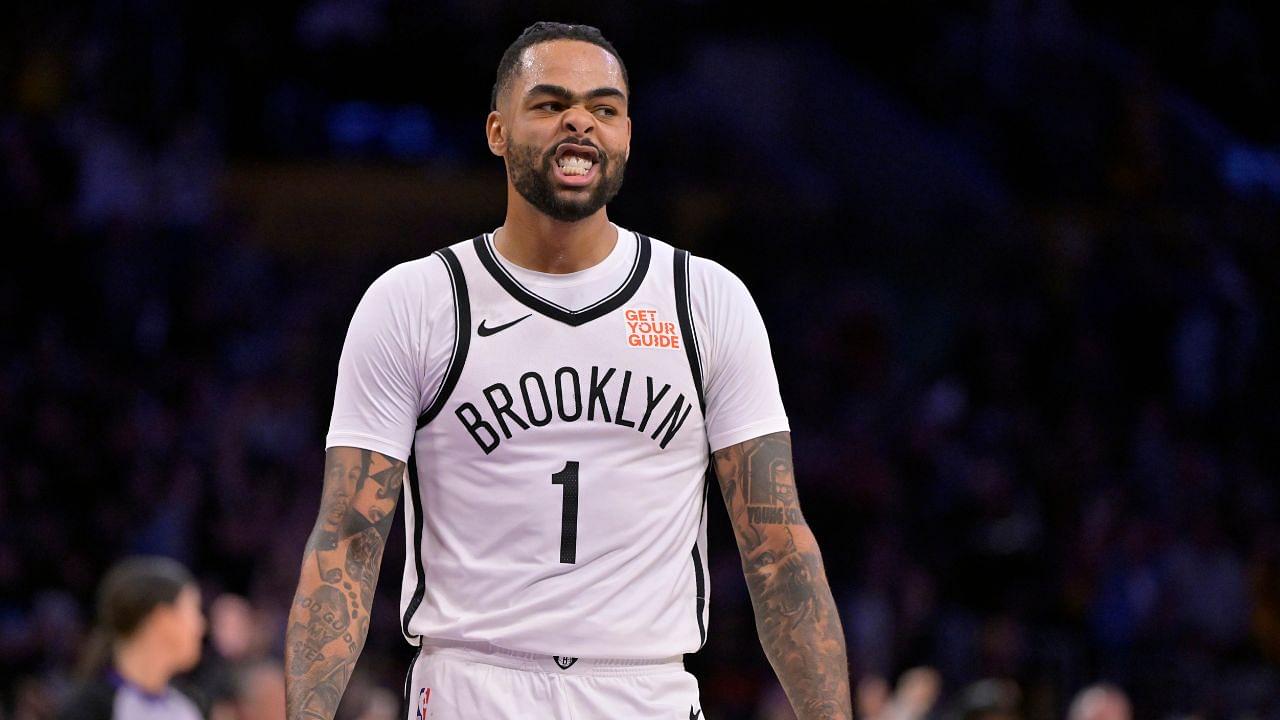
[(795, 612), (329, 619)]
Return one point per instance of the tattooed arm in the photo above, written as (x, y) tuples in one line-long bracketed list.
[(329, 619), (795, 613)]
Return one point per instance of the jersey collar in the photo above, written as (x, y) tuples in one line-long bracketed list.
[(639, 268)]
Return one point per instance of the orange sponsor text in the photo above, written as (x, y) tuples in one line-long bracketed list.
[(644, 329)]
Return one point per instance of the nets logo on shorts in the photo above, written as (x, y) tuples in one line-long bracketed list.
[(564, 661), (424, 696), (645, 330)]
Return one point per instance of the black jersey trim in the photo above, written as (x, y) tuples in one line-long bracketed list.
[(408, 686), (684, 313), (639, 268), (415, 498), (461, 335), (458, 357), (635, 259), (700, 590)]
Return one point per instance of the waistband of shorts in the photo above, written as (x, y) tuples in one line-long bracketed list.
[(491, 654)]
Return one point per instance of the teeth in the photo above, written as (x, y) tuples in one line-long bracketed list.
[(574, 165)]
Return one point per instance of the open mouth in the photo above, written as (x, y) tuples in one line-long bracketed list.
[(576, 164)]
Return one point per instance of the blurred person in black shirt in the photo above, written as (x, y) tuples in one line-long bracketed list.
[(150, 626)]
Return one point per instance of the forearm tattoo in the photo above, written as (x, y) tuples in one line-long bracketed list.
[(329, 620), (795, 613)]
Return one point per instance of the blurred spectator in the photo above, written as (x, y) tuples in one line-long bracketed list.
[(1102, 701), (237, 644), (990, 699), (149, 629), (382, 704), (913, 699), (260, 691)]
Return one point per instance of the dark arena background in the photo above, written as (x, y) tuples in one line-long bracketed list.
[(1018, 259)]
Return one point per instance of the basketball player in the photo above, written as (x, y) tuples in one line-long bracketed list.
[(551, 394)]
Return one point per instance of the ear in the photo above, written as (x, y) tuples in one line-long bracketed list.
[(627, 154), (495, 133)]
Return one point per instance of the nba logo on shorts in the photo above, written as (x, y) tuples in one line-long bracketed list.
[(424, 696)]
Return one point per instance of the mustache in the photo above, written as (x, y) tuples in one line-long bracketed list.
[(584, 142)]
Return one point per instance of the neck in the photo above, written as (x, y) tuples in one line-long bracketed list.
[(141, 664), (534, 241)]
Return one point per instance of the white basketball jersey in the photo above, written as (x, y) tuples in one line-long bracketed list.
[(558, 482)]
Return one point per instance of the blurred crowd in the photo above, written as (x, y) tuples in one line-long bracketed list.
[(1023, 325)]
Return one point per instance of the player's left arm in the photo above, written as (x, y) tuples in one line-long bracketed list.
[(794, 610)]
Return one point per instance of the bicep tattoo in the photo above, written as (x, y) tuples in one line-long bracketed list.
[(759, 487)]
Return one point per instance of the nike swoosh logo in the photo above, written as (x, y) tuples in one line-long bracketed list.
[(483, 331)]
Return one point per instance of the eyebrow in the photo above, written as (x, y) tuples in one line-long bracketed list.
[(563, 93)]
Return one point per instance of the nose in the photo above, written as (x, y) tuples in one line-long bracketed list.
[(578, 121)]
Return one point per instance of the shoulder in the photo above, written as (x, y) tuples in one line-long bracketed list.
[(412, 277), (716, 286), (423, 274), (707, 278), (712, 273), (411, 294)]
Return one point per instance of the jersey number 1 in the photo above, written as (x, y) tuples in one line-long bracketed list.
[(568, 477)]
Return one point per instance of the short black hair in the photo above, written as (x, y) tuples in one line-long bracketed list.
[(545, 31)]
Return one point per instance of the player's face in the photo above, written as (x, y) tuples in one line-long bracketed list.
[(567, 132), (186, 625)]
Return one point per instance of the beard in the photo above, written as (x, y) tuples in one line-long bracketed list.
[(534, 179)]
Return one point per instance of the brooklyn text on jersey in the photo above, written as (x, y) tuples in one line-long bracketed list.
[(559, 432), (535, 407)]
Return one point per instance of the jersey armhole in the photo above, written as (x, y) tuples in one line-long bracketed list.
[(684, 314), (461, 336)]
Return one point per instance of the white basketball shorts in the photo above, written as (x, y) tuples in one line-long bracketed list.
[(477, 681)]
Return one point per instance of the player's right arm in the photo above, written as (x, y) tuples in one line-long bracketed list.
[(329, 619), (375, 409)]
